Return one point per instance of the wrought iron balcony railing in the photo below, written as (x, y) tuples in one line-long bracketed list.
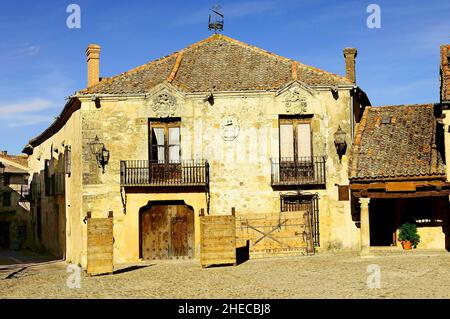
[(149, 173), (298, 171)]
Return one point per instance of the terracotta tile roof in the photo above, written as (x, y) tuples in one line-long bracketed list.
[(218, 63), (14, 170), (396, 141), (445, 73), (19, 159)]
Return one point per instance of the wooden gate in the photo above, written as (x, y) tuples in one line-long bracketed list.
[(167, 231), (100, 245), (217, 240), (276, 234)]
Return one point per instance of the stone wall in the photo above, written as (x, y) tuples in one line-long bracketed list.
[(63, 231), (240, 171)]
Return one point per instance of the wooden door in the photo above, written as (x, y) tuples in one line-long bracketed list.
[(182, 231), (167, 232), (155, 236)]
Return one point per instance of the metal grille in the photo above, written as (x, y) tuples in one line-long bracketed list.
[(298, 171), (149, 173), (303, 202)]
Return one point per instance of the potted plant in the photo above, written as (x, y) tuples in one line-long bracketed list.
[(408, 236)]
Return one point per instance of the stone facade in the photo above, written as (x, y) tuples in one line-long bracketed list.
[(238, 134)]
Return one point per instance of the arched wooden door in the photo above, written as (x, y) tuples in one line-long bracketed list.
[(167, 231)]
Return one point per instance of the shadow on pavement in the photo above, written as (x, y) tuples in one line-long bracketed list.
[(24, 257), (130, 268)]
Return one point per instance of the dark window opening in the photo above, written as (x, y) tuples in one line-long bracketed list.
[(6, 179), (6, 199)]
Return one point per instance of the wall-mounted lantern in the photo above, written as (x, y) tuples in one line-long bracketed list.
[(209, 99), (340, 143), (101, 153)]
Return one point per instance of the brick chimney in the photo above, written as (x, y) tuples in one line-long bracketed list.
[(445, 73), (93, 64), (350, 57)]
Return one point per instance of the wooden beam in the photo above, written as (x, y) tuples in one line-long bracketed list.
[(401, 187), (399, 179), (365, 193), (398, 184)]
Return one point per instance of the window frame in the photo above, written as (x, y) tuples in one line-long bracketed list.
[(295, 121), (166, 124)]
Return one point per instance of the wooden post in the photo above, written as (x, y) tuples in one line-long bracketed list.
[(110, 214), (364, 227), (233, 211), (202, 212)]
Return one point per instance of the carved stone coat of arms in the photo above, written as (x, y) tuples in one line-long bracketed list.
[(295, 102), (164, 105)]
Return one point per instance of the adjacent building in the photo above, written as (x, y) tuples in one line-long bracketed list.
[(16, 223), (398, 175)]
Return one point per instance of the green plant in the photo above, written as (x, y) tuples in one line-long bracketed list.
[(408, 232)]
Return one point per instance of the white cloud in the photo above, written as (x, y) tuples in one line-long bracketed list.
[(30, 50), (28, 120), (26, 113), (35, 105)]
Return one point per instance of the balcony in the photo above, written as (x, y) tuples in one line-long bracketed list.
[(148, 173), (304, 171)]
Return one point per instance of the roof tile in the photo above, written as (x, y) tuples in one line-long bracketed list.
[(403, 148), (218, 63)]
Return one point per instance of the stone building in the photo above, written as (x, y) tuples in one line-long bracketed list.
[(16, 225), (398, 170), (218, 125)]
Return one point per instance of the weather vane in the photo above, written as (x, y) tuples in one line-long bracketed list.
[(216, 21)]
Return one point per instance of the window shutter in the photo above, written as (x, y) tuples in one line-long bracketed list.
[(343, 192), (68, 160), (304, 140), (286, 141)]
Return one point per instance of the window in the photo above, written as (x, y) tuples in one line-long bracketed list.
[(165, 142), (6, 199), (47, 177), (67, 160), (295, 138), (6, 179), (296, 163)]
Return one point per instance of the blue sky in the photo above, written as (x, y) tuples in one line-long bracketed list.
[(42, 61)]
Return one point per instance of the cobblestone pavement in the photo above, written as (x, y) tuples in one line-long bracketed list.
[(417, 274)]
